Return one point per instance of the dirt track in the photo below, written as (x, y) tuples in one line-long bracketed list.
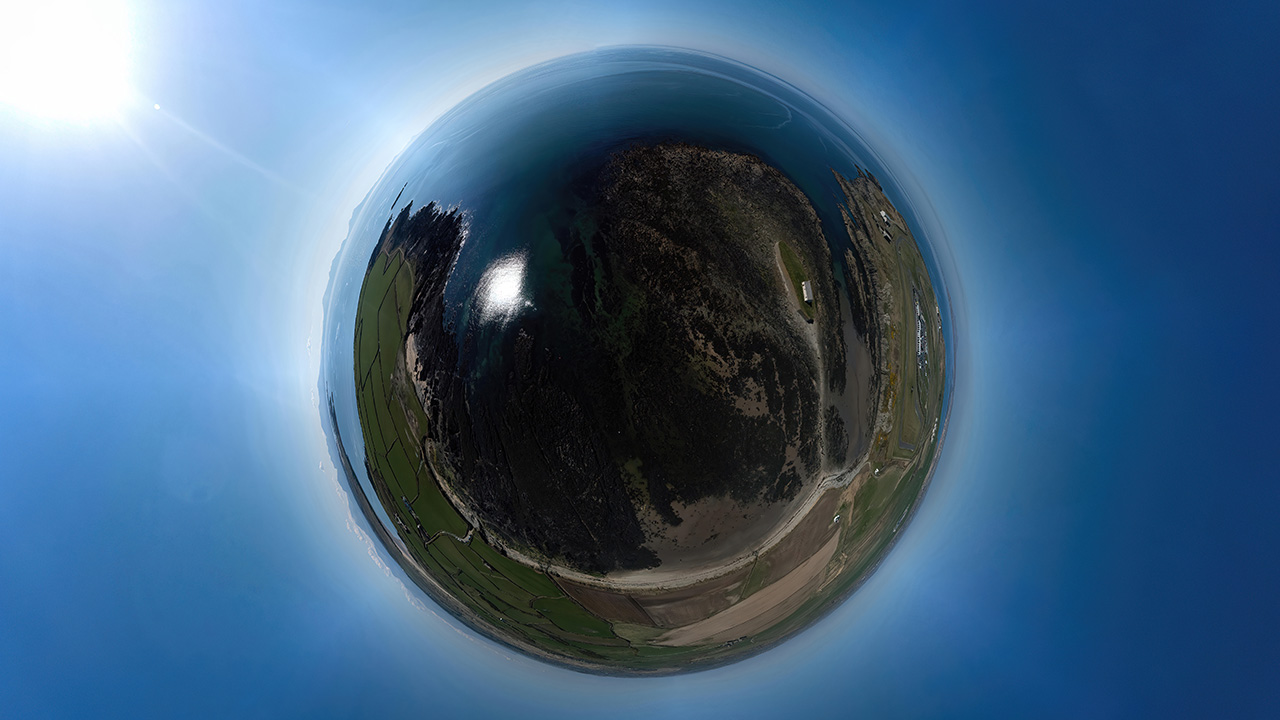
[(759, 611)]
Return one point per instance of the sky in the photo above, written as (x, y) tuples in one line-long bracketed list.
[(1098, 541)]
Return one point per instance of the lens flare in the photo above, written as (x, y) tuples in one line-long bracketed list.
[(65, 59)]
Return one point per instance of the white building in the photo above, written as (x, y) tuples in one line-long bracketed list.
[(806, 288)]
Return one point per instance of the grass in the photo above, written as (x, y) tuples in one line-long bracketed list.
[(497, 589), (755, 579), (526, 605), (795, 271)]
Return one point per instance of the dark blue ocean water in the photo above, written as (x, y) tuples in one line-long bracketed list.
[(511, 157), (1100, 541)]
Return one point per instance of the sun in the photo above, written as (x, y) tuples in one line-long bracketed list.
[(65, 59)]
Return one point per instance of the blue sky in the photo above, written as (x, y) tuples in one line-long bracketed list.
[(1100, 540)]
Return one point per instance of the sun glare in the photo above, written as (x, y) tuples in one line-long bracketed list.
[(64, 59), (501, 288)]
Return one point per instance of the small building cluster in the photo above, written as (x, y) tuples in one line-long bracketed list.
[(922, 340)]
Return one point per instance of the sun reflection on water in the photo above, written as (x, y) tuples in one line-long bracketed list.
[(500, 294)]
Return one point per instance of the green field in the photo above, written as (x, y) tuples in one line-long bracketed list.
[(903, 454), (529, 609), (494, 589), (795, 271)]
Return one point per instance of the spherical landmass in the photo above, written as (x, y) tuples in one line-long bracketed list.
[(649, 370)]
